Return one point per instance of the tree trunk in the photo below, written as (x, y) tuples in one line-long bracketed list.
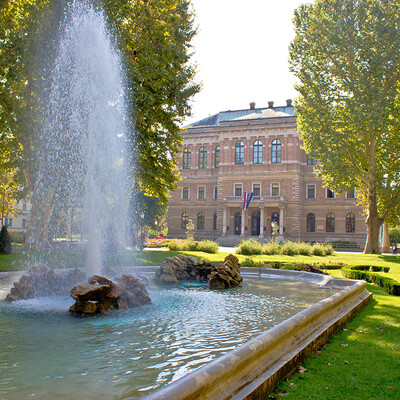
[(373, 222), (385, 239)]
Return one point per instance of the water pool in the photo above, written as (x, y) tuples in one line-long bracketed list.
[(48, 354)]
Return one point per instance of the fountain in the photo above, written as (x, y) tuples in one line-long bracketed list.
[(131, 353), (83, 160)]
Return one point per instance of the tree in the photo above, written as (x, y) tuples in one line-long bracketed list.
[(154, 36), (346, 57), (154, 40)]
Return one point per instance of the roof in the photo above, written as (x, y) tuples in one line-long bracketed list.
[(254, 113)]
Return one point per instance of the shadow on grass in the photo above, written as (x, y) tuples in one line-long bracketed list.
[(393, 259)]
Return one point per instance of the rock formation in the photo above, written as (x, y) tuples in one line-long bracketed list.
[(100, 295), (42, 281), (226, 274), (182, 268)]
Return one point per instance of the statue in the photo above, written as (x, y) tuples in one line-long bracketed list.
[(190, 229), (275, 228)]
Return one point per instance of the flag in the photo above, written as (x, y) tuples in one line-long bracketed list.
[(247, 199)]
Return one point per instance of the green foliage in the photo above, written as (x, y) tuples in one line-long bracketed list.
[(394, 235), (5, 241), (252, 246), (208, 246), (154, 37), (270, 248), (362, 272), (345, 57), (249, 247)]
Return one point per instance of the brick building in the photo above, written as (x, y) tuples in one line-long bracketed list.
[(258, 151)]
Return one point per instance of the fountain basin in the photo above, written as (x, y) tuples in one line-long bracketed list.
[(253, 370), (129, 354)]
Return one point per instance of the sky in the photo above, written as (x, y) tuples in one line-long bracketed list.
[(241, 52)]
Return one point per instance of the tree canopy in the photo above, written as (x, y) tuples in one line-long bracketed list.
[(346, 56), (154, 40)]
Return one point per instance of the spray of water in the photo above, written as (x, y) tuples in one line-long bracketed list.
[(84, 156)]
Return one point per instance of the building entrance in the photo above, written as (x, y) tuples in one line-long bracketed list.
[(274, 218), (255, 223), (238, 223)]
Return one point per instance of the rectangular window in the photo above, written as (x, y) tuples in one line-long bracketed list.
[(215, 192), (201, 194), (350, 195), (310, 191), (8, 222), (311, 161), (185, 193), (256, 190), (238, 189), (24, 206), (274, 189), (330, 194), (23, 223)]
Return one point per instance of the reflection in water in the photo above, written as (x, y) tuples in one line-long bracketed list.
[(46, 354)]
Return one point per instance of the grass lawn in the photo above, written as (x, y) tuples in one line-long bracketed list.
[(361, 362)]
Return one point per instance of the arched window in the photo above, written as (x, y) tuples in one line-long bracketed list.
[(239, 153), (187, 158), (330, 222), (216, 161), (257, 152), (310, 223), (200, 221), (184, 220), (276, 151), (202, 158), (350, 223), (215, 222)]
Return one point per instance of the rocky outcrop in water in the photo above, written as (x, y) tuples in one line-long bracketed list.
[(182, 268), (41, 281), (226, 274), (100, 294)]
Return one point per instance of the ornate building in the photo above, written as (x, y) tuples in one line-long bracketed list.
[(256, 151)]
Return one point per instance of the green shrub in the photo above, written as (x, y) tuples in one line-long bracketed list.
[(289, 249), (191, 245), (386, 269), (208, 246), (354, 272), (330, 265), (177, 245), (249, 247), (319, 249), (328, 249), (305, 249), (270, 248), (275, 264), (251, 262)]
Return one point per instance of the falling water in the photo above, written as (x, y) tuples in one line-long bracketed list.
[(85, 129)]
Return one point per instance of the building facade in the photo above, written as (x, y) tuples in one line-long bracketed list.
[(256, 151)]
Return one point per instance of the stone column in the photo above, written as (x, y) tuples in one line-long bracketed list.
[(243, 223), (281, 237), (224, 222), (261, 222)]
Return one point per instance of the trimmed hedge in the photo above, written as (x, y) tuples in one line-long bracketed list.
[(363, 272)]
